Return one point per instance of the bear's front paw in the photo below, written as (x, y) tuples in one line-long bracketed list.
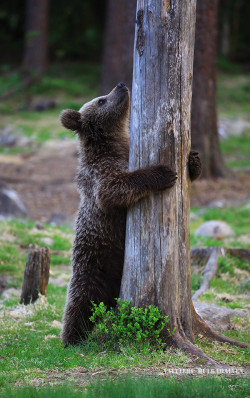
[(166, 177), (194, 165)]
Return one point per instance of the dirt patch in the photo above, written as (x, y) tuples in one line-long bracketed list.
[(45, 182), (233, 191), (81, 377)]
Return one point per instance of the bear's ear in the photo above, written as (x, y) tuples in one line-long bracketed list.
[(71, 119)]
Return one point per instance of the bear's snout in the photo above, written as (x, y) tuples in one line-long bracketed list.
[(122, 86)]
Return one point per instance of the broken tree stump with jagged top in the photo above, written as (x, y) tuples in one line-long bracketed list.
[(36, 274)]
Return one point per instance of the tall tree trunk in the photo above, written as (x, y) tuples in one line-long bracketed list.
[(157, 253), (224, 28), (204, 107), (35, 49), (117, 65)]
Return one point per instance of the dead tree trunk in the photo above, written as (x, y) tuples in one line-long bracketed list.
[(157, 254), (36, 274), (205, 138), (35, 49)]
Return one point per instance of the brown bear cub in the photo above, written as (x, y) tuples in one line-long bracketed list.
[(106, 188)]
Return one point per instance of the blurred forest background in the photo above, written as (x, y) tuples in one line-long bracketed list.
[(76, 29), (58, 54)]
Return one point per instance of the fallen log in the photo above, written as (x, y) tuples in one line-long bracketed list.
[(209, 271)]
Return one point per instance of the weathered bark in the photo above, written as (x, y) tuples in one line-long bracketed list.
[(157, 253), (117, 64), (157, 265), (36, 274), (35, 50), (204, 128)]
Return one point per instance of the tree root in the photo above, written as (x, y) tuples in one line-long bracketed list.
[(201, 327), (209, 271), (184, 344)]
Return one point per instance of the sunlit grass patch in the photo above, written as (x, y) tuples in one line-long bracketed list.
[(236, 150), (237, 217), (69, 86), (228, 353), (29, 337), (233, 95), (17, 235)]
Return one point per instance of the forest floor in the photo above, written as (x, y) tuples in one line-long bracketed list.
[(42, 172)]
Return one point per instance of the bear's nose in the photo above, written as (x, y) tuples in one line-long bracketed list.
[(121, 85)]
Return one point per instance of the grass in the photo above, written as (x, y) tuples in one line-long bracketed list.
[(129, 387), (15, 237), (29, 336), (33, 342), (233, 95), (68, 85), (30, 344), (237, 217), (29, 341), (71, 85), (236, 150), (232, 272), (226, 353)]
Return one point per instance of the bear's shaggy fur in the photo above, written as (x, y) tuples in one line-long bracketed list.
[(106, 189)]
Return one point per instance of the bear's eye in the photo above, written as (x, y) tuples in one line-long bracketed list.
[(101, 101)]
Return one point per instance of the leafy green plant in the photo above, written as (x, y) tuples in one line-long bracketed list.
[(126, 324)]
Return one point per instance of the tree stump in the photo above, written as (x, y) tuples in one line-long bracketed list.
[(36, 274)]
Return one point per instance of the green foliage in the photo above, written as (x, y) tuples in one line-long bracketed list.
[(12, 80), (236, 149), (126, 324), (237, 217), (233, 95), (15, 237), (226, 66), (232, 355), (227, 264)]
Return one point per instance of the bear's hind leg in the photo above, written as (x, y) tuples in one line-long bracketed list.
[(81, 292), (76, 324)]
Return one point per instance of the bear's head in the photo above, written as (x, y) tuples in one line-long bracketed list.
[(102, 116)]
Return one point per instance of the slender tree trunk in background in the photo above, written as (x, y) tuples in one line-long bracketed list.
[(117, 62), (204, 128), (224, 36), (35, 51), (157, 252)]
